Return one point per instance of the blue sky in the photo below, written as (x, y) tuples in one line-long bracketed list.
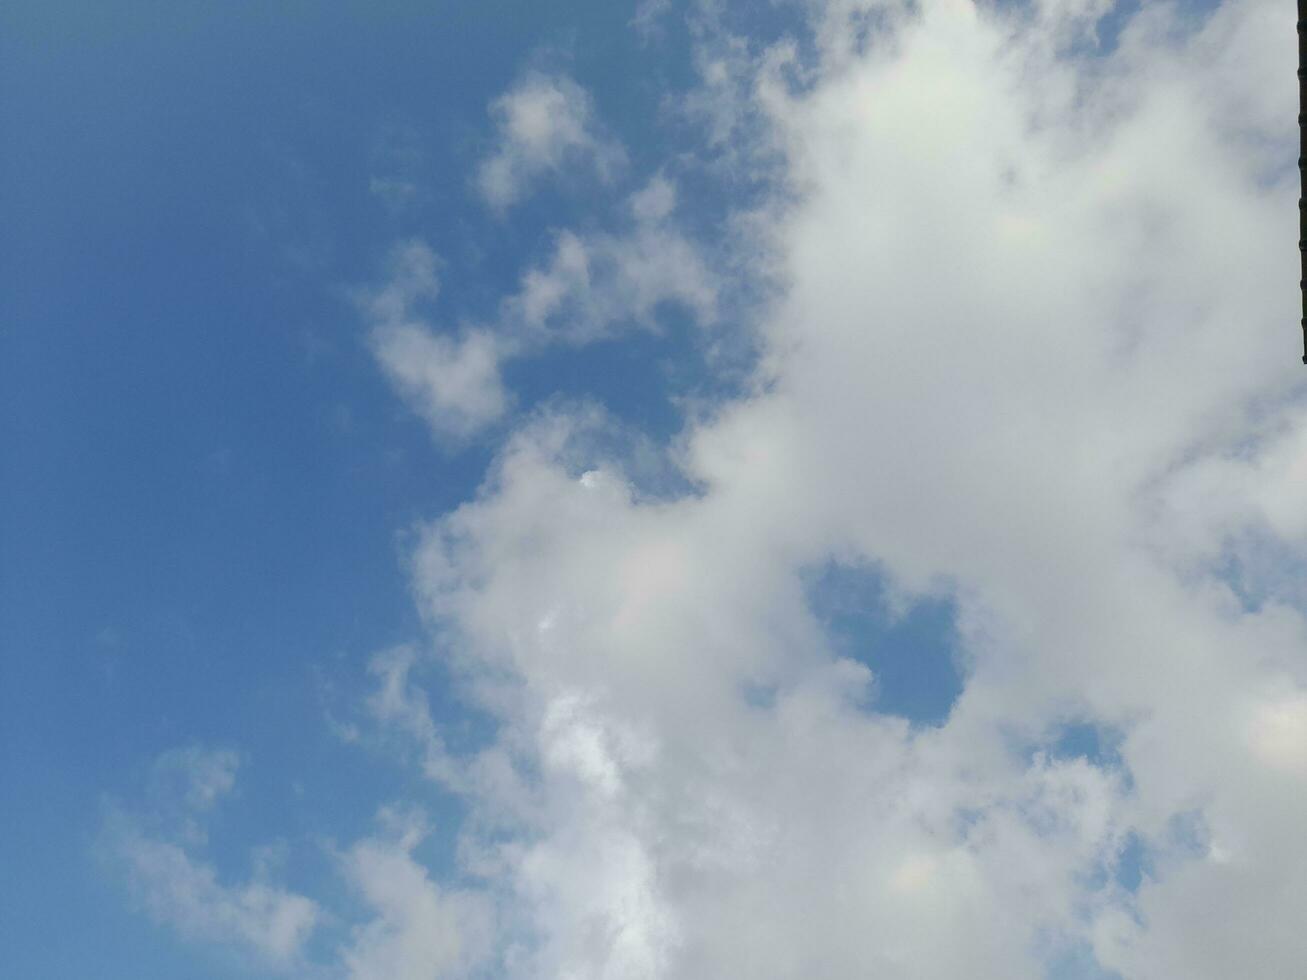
[(368, 554), (207, 480)]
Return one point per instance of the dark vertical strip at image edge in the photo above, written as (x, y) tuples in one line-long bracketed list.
[(1302, 175)]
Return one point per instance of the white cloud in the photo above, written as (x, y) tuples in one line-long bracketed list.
[(1030, 338), (1026, 345), (454, 383), (420, 931), (156, 852), (411, 278), (194, 776), (546, 123), (399, 705), (648, 17), (594, 282), (186, 894), (593, 285), (451, 381)]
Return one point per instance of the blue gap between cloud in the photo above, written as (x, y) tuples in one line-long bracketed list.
[(913, 655)]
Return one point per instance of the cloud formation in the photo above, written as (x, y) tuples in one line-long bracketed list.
[(597, 281), (451, 381), (593, 285), (420, 931), (1029, 352), (157, 851), (545, 123), (1026, 347)]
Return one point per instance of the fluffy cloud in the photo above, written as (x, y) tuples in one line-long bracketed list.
[(1026, 346), (156, 850), (545, 123), (452, 381), (420, 931), (1031, 349), (592, 285)]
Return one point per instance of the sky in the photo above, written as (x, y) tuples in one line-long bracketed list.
[(662, 489)]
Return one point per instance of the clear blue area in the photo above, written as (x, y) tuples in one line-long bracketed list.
[(1133, 863), (1098, 745), (1078, 963), (912, 653)]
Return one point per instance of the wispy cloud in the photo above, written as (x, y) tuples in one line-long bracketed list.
[(592, 285), (595, 282), (545, 123), (452, 381), (158, 849), (398, 164)]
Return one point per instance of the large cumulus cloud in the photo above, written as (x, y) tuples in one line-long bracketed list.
[(1030, 349), (1027, 344)]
